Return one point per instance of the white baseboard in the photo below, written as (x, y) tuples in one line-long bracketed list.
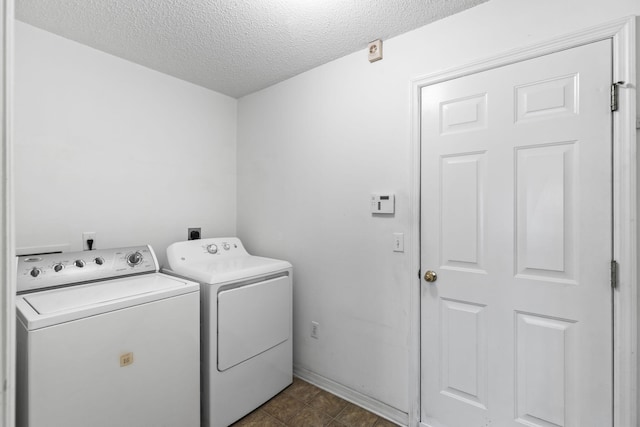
[(370, 404)]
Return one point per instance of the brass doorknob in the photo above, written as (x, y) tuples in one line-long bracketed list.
[(430, 276)]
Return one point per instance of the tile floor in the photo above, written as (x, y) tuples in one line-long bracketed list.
[(305, 405)]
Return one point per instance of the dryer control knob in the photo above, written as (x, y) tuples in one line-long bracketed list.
[(79, 263), (212, 249), (134, 259), (99, 260), (226, 246), (35, 272), (58, 268)]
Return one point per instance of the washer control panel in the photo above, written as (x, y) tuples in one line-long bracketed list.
[(37, 272)]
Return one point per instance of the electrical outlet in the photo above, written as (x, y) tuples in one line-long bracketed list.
[(315, 326), (86, 237), (194, 233)]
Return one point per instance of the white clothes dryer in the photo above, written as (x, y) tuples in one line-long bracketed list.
[(105, 340), (246, 309)]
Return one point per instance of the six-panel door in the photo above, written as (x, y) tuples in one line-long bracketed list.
[(516, 222)]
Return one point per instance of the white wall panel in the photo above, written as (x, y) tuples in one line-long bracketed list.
[(105, 145)]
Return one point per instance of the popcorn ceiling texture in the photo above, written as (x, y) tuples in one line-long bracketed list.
[(234, 47)]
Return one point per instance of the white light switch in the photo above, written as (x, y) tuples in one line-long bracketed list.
[(398, 242), (382, 203)]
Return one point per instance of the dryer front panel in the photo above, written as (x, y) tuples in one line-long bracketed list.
[(252, 319)]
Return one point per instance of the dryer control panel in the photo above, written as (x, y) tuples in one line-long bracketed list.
[(37, 272), (228, 246), (219, 260), (205, 249)]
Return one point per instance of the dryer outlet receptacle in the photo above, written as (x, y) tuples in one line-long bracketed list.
[(194, 233)]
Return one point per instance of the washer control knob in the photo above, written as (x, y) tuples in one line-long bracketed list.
[(35, 272), (134, 259), (212, 249), (79, 263), (58, 268), (99, 260), (226, 246)]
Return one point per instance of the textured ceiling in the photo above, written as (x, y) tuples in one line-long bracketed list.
[(234, 47)]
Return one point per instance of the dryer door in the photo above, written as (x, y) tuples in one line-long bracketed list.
[(252, 319)]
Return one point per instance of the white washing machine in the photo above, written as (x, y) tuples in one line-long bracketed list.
[(105, 340), (246, 325)]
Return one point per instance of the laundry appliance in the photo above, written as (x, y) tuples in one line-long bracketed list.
[(246, 310), (104, 339)]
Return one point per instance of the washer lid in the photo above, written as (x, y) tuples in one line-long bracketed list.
[(228, 269), (41, 309)]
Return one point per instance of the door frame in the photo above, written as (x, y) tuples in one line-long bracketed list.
[(7, 245), (622, 33)]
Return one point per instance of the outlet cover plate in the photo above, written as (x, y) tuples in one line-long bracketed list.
[(86, 236)]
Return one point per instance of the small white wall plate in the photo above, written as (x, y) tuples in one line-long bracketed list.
[(375, 50)]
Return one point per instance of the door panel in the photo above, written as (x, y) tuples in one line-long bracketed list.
[(463, 180), (464, 352), (540, 349), (516, 222), (545, 215)]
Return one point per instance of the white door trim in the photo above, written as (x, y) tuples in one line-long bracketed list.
[(622, 32), (7, 244)]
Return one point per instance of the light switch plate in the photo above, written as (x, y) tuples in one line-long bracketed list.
[(398, 242)]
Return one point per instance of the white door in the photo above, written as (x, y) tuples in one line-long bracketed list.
[(516, 223)]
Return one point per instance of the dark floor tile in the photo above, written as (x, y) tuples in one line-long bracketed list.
[(305, 405), (309, 417), (283, 407), (258, 418), (302, 390), (328, 403), (384, 423), (354, 416)]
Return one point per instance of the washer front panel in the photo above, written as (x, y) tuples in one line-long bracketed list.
[(139, 366)]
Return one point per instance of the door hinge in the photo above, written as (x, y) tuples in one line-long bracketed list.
[(614, 95), (614, 274), (419, 274)]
